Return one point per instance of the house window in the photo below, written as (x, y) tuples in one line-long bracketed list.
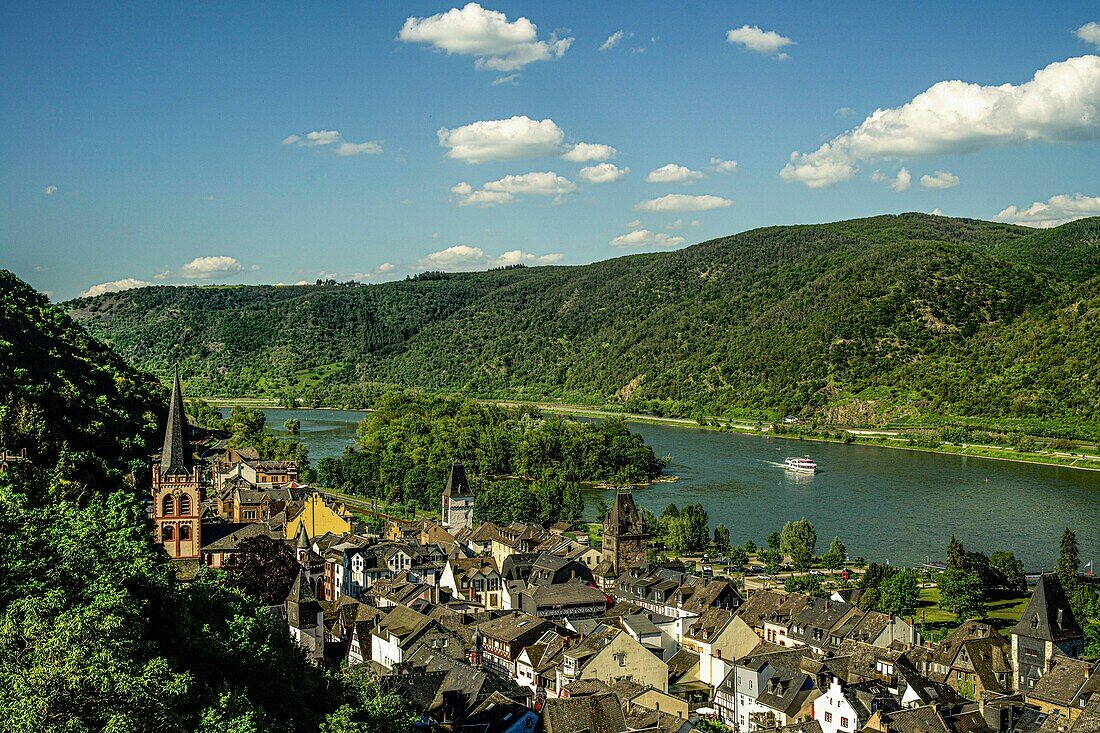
[(166, 533), (169, 506), (250, 514), (843, 722), (185, 532), (828, 717), (185, 506)]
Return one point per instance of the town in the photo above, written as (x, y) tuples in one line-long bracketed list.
[(505, 629)]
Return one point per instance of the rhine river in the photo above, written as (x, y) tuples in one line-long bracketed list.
[(885, 503)]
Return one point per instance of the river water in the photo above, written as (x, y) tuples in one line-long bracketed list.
[(887, 504)]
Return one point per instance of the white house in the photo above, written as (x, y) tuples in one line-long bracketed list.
[(835, 712)]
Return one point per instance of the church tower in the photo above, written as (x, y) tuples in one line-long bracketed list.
[(177, 504), (458, 501), (625, 536)]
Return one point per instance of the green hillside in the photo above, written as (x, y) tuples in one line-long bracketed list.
[(864, 322)]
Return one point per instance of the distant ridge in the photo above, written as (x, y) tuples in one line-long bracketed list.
[(859, 322)]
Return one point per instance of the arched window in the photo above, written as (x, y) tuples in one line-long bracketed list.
[(169, 506), (185, 506), (167, 534), (185, 532)]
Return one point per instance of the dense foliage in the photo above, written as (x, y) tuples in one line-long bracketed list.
[(408, 444), (891, 319), (96, 633)]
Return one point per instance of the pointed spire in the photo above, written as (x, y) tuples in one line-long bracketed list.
[(302, 542), (175, 457), (300, 590), (458, 484)]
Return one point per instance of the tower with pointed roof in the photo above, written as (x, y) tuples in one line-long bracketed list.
[(305, 618), (1046, 629), (177, 501), (458, 500), (625, 536)]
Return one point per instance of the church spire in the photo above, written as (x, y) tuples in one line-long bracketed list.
[(175, 457)]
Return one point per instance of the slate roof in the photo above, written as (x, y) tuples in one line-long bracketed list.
[(175, 456), (457, 483), (1048, 615), (1061, 683), (599, 713), (923, 719), (511, 627), (232, 540)]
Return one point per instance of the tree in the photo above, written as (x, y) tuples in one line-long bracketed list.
[(774, 539), (837, 554), (962, 594), (954, 554), (572, 503), (263, 568), (602, 509), (771, 560), (750, 547), (1069, 560), (293, 425), (721, 539), (798, 540), (809, 584), (898, 593), (738, 557), (1009, 572)]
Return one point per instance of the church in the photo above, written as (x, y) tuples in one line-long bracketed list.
[(177, 499)]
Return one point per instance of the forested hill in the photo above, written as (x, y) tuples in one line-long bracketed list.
[(858, 322)]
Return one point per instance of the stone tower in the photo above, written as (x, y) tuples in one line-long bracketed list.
[(458, 500), (306, 618), (1046, 628), (177, 502), (625, 538)]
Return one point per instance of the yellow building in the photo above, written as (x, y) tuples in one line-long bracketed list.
[(319, 517)]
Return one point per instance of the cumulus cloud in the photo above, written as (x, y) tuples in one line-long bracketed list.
[(673, 173), (723, 166), (49, 190), (1089, 33), (504, 190), (1056, 210), (760, 41), (464, 257), (1061, 103), (614, 40), (584, 152), (646, 238), (495, 42), (899, 183), (603, 173), (202, 268), (634, 224), (343, 147), (115, 286), (939, 180), (515, 137), (683, 202)]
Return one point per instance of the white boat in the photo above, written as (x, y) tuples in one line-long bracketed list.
[(802, 465)]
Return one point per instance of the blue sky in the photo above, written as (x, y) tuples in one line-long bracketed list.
[(154, 143)]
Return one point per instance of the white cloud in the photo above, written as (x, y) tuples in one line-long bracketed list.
[(496, 43), (634, 224), (679, 223), (202, 268), (49, 190), (464, 257), (510, 79), (1089, 33), (696, 223), (1060, 104), (382, 270), (368, 148), (319, 138), (467, 196), (760, 41), (683, 202), (645, 238), (939, 180), (603, 173), (1056, 210), (613, 40), (902, 182), (515, 137), (844, 112), (723, 166), (584, 152), (673, 173), (936, 212), (115, 286), (533, 184)]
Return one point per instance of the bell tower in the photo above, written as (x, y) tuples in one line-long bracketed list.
[(177, 502)]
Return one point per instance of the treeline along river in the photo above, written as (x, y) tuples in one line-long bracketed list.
[(885, 503)]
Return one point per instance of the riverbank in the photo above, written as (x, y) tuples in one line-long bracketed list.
[(884, 438)]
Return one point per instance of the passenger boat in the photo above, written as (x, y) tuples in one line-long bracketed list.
[(802, 465)]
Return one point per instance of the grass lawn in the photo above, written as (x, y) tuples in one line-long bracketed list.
[(1003, 613)]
